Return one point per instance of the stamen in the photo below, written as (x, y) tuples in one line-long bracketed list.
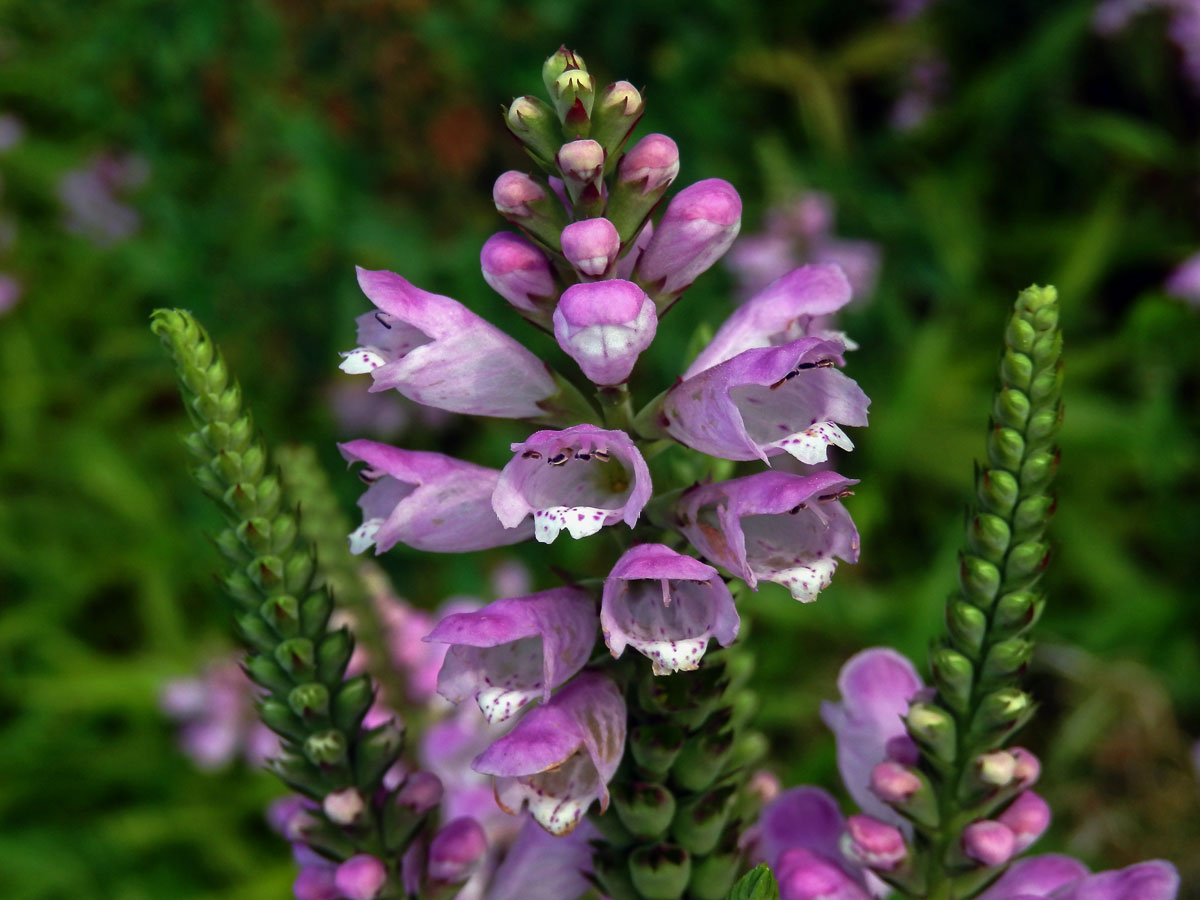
[(531, 454), (601, 455), (382, 320)]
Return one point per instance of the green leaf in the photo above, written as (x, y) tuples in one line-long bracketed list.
[(757, 884)]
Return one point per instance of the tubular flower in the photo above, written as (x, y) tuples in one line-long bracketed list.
[(801, 831), (1062, 878), (426, 500), (604, 326), (700, 223), (560, 756), (770, 400), (581, 479), (519, 272), (516, 649), (666, 606), (773, 526), (436, 351)]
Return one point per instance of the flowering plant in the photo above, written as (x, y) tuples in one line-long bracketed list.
[(631, 772)]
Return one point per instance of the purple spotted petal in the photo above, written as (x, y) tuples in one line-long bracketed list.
[(560, 756), (700, 223), (773, 526), (516, 650), (540, 866), (434, 350), (876, 687), (426, 500), (666, 606), (781, 312), (769, 400), (581, 479)]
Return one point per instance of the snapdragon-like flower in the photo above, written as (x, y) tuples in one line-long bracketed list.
[(434, 350), (700, 223), (581, 479), (542, 866), (604, 326), (666, 606), (516, 649), (1062, 878), (781, 312), (560, 756), (773, 526), (426, 500), (769, 400), (876, 687), (801, 832)]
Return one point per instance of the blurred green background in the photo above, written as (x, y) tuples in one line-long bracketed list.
[(284, 142)]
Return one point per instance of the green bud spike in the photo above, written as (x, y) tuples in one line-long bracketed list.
[(298, 574), (254, 632), (315, 613), (757, 884), (267, 573), (243, 591), (699, 822), (1005, 448), (311, 703), (1011, 410), (301, 776), (615, 834), (988, 536), (655, 747), (646, 810), (231, 547), (661, 871), (350, 704), (1025, 561), (998, 715), (998, 491), (400, 824), (954, 676)]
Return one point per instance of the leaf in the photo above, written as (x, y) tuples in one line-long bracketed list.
[(757, 884)]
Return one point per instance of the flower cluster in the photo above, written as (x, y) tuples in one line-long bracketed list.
[(592, 264), (817, 854)]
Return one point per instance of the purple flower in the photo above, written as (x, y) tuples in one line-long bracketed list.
[(516, 649), (581, 479), (540, 866), (801, 830), (773, 526), (436, 351), (560, 756), (89, 197), (10, 292), (604, 326), (361, 877), (591, 247), (651, 164), (700, 223), (877, 686), (666, 606), (779, 313), (426, 500), (1062, 878), (456, 851), (769, 400), (520, 273), (1184, 281)]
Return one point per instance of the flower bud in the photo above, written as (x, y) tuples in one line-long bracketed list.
[(524, 202), (1026, 560), (655, 747), (343, 807), (933, 729), (700, 223), (660, 871), (422, 791), (893, 783), (326, 748), (1016, 611), (361, 877), (591, 246), (989, 536), (954, 676), (614, 116), (1001, 712), (535, 125), (875, 844), (316, 882), (1006, 659), (574, 93), (582, 166), (995, 769), (558, 62), (998, 490), (713, 876), (604, 326), (702, 758), (699, 823), (520, 273), (643, 176), (1027, 818), (989, 843), (1028, 768), (456, 851), (646, 810), (967, 624)]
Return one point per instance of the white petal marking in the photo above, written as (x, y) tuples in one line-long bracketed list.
[(363, 537), (811, 446), (361, 360)]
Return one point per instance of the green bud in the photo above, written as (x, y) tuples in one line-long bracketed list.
[(267, 573), (644, 809), (988, 536), (314, 614), (1011, 409), (612, 831), (282, 612), (301, 775), (536, 126), (255, 632), (231, 548), (687, 701), (1021, 335), (979, 579), (560, 61), (749, 749), (611, 873), (1043, 425), (264, 671), (210, 484), (967, 624), (351, 703), (701, 760), (333, 655), (746, 704), (1047, 385), (954, 675), (283, 532), (255, 535), (1026, 560), (1005, 448), (378, 749), (998, 491), (614, 116), (574, 93), (655, 747), (310, 702), (757, 884), (933, 729), (241, 498), (279, 718), (1038, 471), (1048, 350), (1016, 612), (661, 871), (326, 748), (243, 591), (330, 840), (1016, 369), (297, 659), (700, 821), (999, 714), (1007, 659), (298, 572), (713, 876)]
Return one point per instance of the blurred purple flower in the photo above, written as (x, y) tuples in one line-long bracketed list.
[(90, 199), (12, 131), (1184, 281), (924, 83), (10, 292), (1111, 17)]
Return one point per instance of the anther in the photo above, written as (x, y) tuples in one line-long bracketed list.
[(531, 454), (602, 455), (558, 459), (379, 317)]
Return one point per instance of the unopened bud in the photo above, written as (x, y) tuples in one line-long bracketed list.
[(1001, 712), (343, 807), (646, 810), (996, 769), (326, 748), (932, 728), (967, 624), (643, 176), (456, 850), (582, 166), (521, 200), (700, 822), (536, 126), (700, 223), (954, 676), (655, 747), (988, 843), (894, 783), (988, 536), (604, 326), (998, 491), (616, 112), (361, 877), (1027, 818), (558, 62), (1006, 659), (422, 791), (574, 93), (979, 579), (902, 749), (520, 273), (591, 246), (875, 844), (1016, 612), (660, 871), (1026, 560), (1028, 767)]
